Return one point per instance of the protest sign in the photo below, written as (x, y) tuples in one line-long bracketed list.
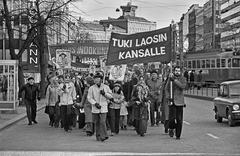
[(63, 59), (117, 72), (151, 46)]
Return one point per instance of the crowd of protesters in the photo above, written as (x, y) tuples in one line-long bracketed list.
[(97, 104)]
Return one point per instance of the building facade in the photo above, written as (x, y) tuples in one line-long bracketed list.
[(129, 21), (230, 16)]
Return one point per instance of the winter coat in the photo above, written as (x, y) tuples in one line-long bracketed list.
[(52, 95), (179, 84), (67, 96), (94, 97), (118, 100)]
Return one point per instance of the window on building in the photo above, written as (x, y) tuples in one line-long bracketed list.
[(229, 63)]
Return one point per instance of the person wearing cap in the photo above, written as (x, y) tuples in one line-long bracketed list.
[(31, 94), (155, 86), (98, 96), (114, 108)]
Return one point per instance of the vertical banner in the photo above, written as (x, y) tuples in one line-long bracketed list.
[(63, 59), (117, 72), (151, 46)]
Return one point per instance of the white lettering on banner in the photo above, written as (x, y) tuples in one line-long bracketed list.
[(151, 39), (33, 54), (122, 43), (142, 53)]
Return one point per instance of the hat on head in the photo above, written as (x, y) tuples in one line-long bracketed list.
[(117, 84), (154, 71), (89, 80), (98, 75), (30, 78)]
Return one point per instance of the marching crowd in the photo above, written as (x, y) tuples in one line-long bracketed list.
[(98, 104)]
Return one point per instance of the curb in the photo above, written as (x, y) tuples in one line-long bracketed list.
[(200, 97), (17, 119)]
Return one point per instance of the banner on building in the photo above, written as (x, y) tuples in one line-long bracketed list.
[(151, 46), (63, 59), (117, 72)]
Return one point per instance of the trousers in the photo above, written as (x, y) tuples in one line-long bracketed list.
[(176, 119), (31, 108)]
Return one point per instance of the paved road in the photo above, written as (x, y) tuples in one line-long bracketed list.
[(202, 135)]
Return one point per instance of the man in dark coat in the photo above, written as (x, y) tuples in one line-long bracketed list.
[(31, 94)]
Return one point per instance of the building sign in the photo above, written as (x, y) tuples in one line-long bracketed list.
[(33, 57), (87, 53), (151, 46)]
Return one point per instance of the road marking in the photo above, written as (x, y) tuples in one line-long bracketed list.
[(187, 123), (57, 153), (213, 136)]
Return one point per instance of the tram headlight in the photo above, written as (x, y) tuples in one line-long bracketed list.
[(235, 107)]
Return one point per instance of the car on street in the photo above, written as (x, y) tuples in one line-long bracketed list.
[(227, 103)]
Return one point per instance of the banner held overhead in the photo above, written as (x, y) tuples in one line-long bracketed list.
[(151, 46)]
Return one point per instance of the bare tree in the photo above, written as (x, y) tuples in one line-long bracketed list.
[(41, 13)]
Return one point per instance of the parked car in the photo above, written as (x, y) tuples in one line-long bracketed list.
[(227, 103)]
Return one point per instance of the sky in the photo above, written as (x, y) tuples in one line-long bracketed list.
[(160, 11)]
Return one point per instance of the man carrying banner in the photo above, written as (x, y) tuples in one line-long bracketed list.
[(155, 97), (177, 103)]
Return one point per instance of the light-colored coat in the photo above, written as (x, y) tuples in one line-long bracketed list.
[(52, 95), (68, 95), (94, 97), (118, 99)]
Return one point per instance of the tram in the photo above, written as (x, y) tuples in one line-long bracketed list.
[(216, 68)]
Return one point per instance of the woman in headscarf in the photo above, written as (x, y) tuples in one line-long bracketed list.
[(140, 104)]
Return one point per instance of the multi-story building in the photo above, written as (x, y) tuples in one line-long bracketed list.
[(199, 30), (188, 28), (129, 21), (212, 25), (230, 16)]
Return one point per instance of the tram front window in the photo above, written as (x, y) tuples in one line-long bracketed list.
[(236, 62)]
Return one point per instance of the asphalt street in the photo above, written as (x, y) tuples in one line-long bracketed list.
[(201, 135)]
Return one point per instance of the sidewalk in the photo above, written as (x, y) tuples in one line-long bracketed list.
[(8, 118)]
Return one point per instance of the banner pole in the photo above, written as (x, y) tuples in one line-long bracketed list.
[(171, 86)]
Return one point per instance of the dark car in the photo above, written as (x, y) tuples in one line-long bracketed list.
[(227, 103)]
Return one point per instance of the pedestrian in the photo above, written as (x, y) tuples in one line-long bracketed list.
[(52, 99), (123, 115), (177, 103), (31, 94), (88, 107), (67, 93), (191, 78), (155, 97), (199, 80), (140, 104), (114, 108), (98, 96)]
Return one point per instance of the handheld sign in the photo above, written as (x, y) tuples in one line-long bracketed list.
[(63, 59), (117, 72), (151, 46)]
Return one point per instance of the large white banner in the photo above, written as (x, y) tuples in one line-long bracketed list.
[(117, 72)]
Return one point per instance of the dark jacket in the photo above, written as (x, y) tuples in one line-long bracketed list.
[(179, 85), (31, 92)]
